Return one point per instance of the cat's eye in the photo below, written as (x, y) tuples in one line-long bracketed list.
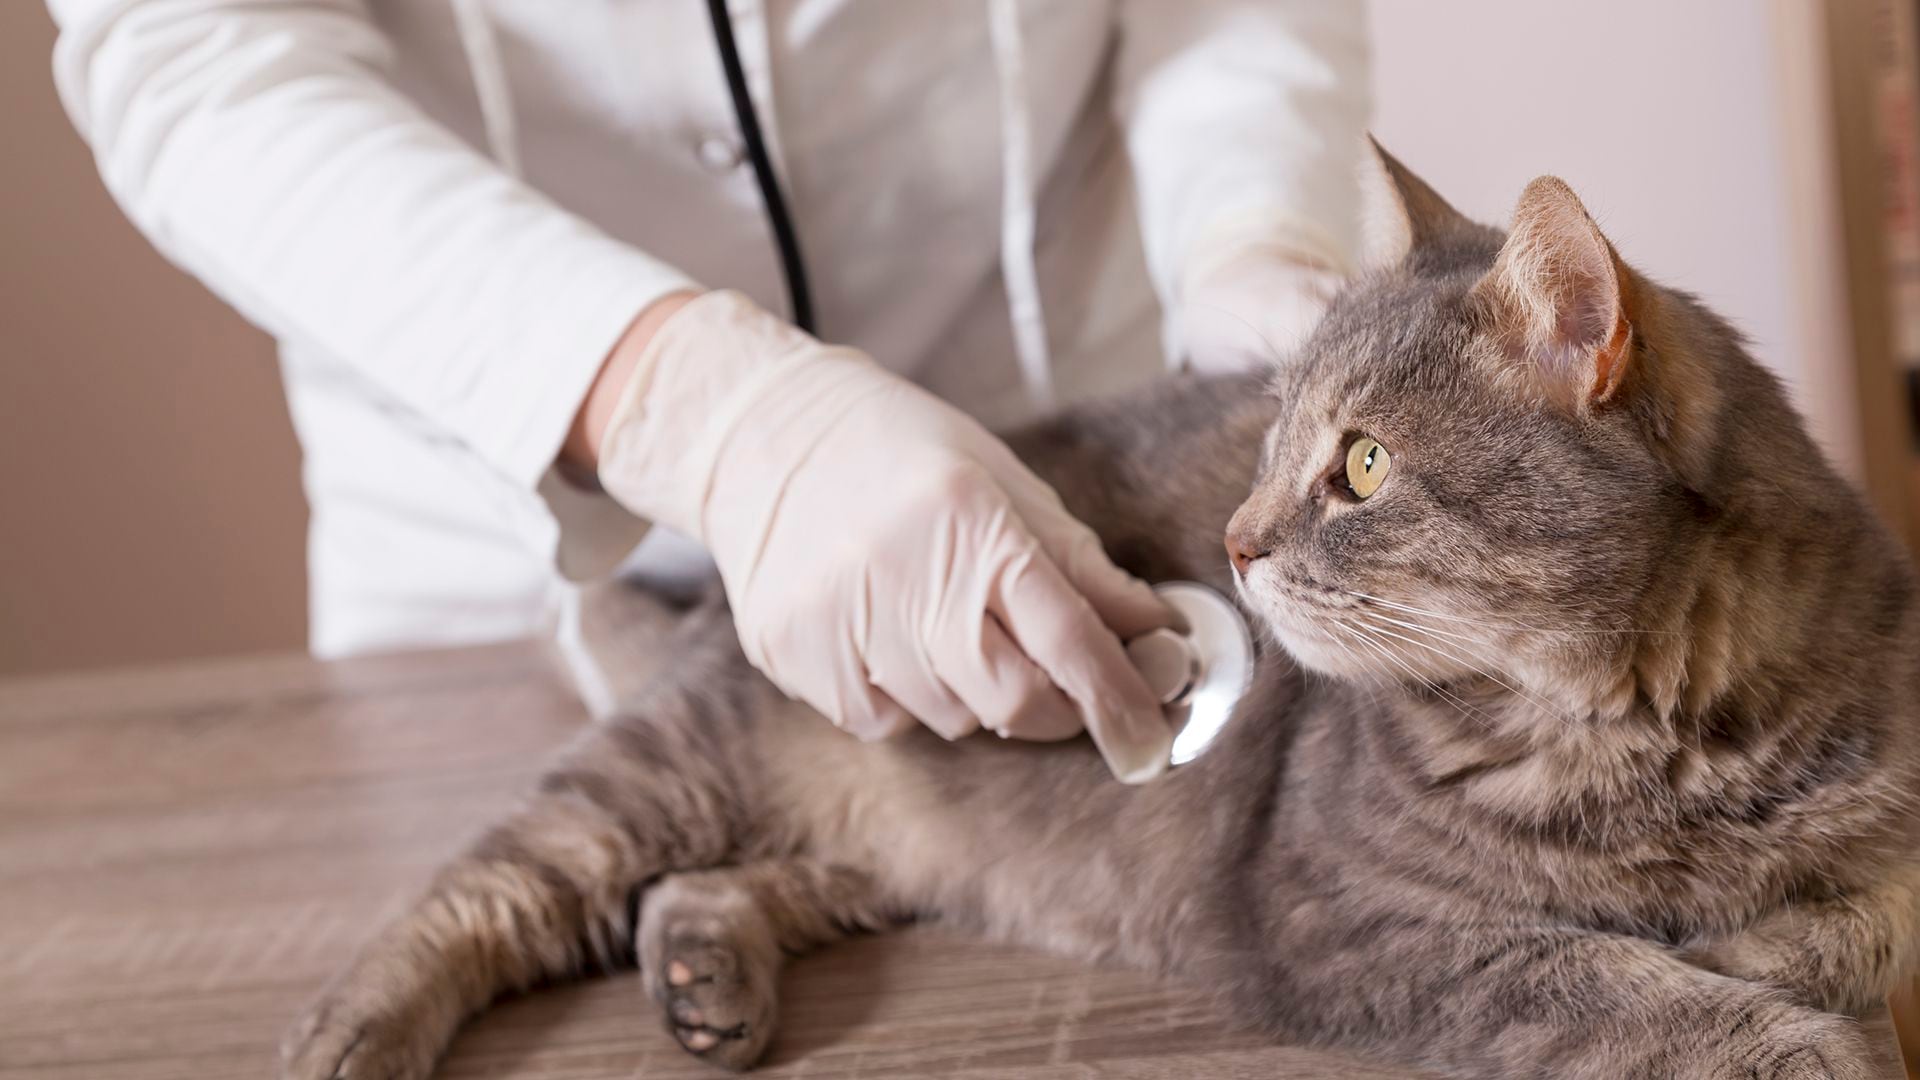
[(1367, 465)]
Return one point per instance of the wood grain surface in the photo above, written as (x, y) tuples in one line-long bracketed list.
[(186, 853)]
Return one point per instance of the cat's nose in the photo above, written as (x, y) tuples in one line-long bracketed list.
[(1242, 553)]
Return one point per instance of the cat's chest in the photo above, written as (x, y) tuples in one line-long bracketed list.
[(1498, 836)]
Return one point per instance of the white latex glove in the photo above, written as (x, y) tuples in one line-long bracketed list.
[(886, 556), (1243, 306)]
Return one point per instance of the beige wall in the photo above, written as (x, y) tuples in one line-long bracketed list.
[(149, 484), (1691, 130)]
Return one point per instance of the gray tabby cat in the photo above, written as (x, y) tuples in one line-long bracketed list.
[(1609, 768)]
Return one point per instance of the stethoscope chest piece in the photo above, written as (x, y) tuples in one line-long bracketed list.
[(1199, 674)]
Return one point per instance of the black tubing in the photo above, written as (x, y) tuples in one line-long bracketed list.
[(791, 265)]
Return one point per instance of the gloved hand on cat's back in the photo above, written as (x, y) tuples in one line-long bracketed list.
[(887, 558)]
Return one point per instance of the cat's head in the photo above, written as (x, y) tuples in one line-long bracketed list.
[(1500, 454)]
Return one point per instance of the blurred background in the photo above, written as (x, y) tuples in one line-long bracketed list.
[(1760, 154)]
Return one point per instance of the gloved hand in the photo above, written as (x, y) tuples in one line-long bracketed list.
[(886, 556), (1248, 304)]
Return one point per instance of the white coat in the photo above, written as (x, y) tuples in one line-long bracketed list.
[(448, 212)]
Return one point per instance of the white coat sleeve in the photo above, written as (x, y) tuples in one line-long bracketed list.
[(259, 146), (1243, 118)]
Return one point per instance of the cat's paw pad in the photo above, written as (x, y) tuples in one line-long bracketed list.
[(337, 1042), (717, 1005), (713, 968)]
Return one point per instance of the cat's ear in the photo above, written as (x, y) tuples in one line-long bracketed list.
[(1398, 211), (1560, 297)]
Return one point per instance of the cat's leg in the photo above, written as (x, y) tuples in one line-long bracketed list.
[(712, 943), (541, 896), (1842, 954), (1502, 1001)]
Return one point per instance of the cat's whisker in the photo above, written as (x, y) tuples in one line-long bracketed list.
[(1535, 700), (1409, 608), (1375, 648), (1488, 624), (1345, 651), (1473, 660), (1482, 642), (1372, 691), (1379, 649), (1485, 624)]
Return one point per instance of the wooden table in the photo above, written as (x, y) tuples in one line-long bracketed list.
[(187, 852)]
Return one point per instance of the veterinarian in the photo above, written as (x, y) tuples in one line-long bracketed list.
[(543, 274)]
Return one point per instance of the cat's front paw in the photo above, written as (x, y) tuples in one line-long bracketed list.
[(343, 1039), (1804, 1045), (1790, 952), (711, 962)]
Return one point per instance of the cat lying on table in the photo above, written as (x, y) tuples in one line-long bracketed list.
[(1592, 747)]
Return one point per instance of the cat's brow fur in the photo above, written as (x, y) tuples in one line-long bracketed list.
[(1654, 818)]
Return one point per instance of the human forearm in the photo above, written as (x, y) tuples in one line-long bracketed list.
[(261, 147), (582, 448), (1242, 112)]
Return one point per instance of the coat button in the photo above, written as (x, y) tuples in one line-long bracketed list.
[(720, 153)]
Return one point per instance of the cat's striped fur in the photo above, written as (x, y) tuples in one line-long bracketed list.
[(1655, 817)]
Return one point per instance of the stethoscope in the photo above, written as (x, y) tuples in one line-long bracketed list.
[(1199, 672), (791, 265)]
